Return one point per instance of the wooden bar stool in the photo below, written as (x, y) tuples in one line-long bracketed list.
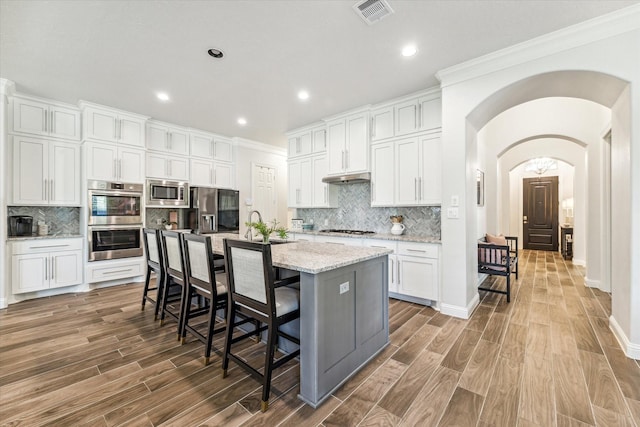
[(254, 293)]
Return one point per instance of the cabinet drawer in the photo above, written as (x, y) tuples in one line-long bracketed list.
[(103, 273), (348, 241), (45, 245), (374, 243), (424, 250)]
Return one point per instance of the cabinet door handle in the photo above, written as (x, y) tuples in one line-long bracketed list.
[(44, 113), (393, 270), (373, 127), (53, 268), (419, 121), (51, 194), (52, 124), (325, 195), (44, 190), (119, 168), (415, 188), (113, 169), (398, 272), (46, 268), (342, 160)]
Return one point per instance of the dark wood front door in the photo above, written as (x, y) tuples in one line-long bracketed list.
[(540, 213)]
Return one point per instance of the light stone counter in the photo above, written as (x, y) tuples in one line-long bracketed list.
[(309, 257), (48, 236), (381, 236)]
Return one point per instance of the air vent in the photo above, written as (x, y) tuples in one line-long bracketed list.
[(371, 11)]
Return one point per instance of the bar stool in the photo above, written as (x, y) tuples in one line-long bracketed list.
[(254, 293), (151, 239), (174, 272), (202, 280)]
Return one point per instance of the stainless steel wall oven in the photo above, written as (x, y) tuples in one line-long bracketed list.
[(115, 220)]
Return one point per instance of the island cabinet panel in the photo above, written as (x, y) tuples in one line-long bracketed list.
[(347, 311)]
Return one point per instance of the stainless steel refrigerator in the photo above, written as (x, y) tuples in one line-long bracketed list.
[(213, 210)]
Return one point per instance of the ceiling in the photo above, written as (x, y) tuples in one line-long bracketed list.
[(121, 53)]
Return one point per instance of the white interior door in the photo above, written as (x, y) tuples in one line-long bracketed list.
[(264, 192)]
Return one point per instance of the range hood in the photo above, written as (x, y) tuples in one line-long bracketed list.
[(353, 178)]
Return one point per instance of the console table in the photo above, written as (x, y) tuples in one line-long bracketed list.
[(566, 241)]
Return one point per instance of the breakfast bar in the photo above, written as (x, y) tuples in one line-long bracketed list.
[(344, 310)]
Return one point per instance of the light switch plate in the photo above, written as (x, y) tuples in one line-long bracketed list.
[(452, 213)]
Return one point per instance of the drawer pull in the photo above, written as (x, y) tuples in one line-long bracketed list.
[(381, 247), (416, 250), (118, 271), (49, 246)]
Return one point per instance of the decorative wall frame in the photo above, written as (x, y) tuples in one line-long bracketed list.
[(479, 188)]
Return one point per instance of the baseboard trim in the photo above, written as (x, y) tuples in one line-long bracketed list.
[(3, 303), (579, 262), (459, 311), (592, 283), (632, 350)]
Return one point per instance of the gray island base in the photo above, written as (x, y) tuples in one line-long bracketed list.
[(344, 310), (345, 324)]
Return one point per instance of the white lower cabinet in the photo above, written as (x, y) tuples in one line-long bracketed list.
[(45, 263), (413, 268), (104, 271)]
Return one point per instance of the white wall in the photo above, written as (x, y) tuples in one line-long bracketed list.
[(475, 92), (6, 89), (249, 153)]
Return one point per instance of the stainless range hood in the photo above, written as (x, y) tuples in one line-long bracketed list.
[(353, 178)]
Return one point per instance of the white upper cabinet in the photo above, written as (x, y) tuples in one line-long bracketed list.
[(108, 162), (430, 109), (110, 125), (308, 140), (407, 171), (201, 173), (201, 145), (382, 174), (222, 149), (167, 138), (382, 123), (300, 183), (34, 117), (166, 166), (322, 195), (348, 144), (407, 120), (45, 172)]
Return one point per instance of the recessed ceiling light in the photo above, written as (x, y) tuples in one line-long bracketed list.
[(303, 95), (409, 50), (216, 53), (162, 96), (242, 121)]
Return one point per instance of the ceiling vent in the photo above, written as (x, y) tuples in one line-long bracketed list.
[(371, 11)]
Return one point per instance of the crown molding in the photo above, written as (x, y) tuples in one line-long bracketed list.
[(259, 146), (599, 28), (7, 87)]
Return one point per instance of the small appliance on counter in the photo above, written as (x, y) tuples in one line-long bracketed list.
[(20, 225)]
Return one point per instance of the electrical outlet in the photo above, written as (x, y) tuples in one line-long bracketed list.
[(344, 287), (452, 213), (326, 222)]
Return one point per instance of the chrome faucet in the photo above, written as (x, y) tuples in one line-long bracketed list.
[(249, 234)]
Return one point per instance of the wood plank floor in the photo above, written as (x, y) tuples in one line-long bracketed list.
[(546, 359)]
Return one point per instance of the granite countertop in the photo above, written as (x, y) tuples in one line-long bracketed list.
[(48, 236), (382, 236), (309, 257)]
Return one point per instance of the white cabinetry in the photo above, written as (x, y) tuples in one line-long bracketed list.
[(419, 114), (300, 144), (110, 162), (323, 195), (103, 271), (300, 183), (210, 146), (407, 171), (348, 144), (418, 274), (167, 138), (382, 123), (111, 125), (393, 260), (45, 172), (166, 166), (34, 117), (45, 263), (383, 174)]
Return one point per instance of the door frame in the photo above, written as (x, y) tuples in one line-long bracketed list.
[(555, 205)]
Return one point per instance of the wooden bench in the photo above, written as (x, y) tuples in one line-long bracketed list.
[(498, 260)]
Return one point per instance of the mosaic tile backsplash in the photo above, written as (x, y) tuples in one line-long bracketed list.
[(355, 212), (61, 220)]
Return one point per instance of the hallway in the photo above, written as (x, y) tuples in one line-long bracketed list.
[(546, 359)]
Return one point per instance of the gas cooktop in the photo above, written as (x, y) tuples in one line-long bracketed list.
[(357, 232)]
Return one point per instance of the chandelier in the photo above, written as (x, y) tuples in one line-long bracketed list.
[(541, 165)]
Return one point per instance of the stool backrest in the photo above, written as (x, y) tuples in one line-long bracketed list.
[(250, 274), (172, 254), (152, 247), (198, 261)]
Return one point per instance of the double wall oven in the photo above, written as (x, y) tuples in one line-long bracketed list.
[(115, 220)]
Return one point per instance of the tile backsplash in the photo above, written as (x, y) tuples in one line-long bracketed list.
[(355, 212), (61, 220)]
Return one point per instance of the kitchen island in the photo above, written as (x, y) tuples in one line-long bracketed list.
[(344, 309)]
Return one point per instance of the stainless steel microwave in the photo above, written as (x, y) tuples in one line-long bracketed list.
[(163, 193)]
